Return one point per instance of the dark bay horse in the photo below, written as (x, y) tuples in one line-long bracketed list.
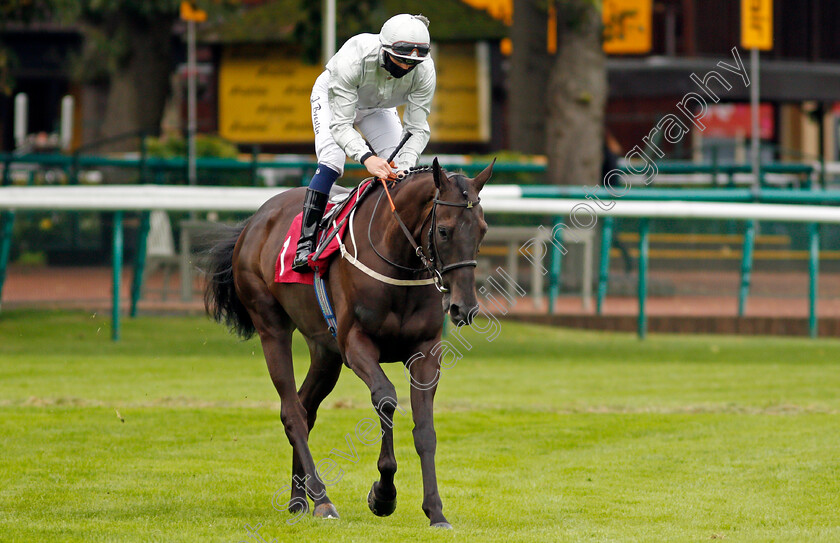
[(378, 321)]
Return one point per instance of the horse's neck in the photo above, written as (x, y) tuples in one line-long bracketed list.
[(413, 202)]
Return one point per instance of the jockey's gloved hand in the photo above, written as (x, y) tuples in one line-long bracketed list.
[(396, 174), (378, 167)]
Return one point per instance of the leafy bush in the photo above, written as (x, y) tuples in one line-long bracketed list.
[(176, 146)]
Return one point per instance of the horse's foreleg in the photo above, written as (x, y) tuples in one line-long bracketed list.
[(363, 358), (324, 369), (425, 372)]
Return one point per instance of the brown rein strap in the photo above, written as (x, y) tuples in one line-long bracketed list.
[(417, 249), (430, 262)]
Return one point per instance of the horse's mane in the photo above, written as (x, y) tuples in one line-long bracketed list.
[(457, 177)]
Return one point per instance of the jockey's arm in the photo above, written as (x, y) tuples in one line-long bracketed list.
[(343, 97), (415, 120)]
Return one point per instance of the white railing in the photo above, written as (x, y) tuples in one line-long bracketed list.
[(495, 198)]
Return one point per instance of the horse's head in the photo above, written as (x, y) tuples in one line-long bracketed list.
[(457, 229)]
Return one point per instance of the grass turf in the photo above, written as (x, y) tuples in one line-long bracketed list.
[(174, 434)]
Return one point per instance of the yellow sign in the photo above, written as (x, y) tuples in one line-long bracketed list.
[(757, 24), (264, 95), (627, 26), (459, 111), (498, 9), (191, 13)]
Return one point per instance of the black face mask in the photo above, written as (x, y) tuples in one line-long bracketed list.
[(393, 69)]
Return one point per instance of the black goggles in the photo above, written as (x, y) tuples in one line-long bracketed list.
[(407, 48)]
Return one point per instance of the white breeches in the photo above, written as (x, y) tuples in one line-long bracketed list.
[(380, 127)]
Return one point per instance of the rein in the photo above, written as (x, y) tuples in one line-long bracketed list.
[(431, 262)]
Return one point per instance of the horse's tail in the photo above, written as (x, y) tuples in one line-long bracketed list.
[(220, 299)]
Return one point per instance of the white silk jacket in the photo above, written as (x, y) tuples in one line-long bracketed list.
[(358, 81)]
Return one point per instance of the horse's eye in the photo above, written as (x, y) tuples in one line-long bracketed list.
[(443, 232)]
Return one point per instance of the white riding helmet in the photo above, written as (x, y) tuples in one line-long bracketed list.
[(406, 37)]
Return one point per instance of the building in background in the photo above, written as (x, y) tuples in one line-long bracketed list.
[(655, 45), (799, 83), (253, 86), (41, 69)]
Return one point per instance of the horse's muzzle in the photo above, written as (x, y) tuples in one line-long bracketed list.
[(462, 314)]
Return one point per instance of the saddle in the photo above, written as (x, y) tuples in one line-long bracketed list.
[(341, 203), (338, 199)]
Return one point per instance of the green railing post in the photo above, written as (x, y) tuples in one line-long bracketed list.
[(142, 233), (714, 150), (822, 171), (644, 229), (116, 262), (746, 266), (144, 156), (74, 168), (7, 221), (813, 273), (7, 171), (604, 265), (139, 261), (554, 275), (255, 157)]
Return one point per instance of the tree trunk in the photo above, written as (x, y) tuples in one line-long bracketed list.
[(528, 81), (139, 86), (577, 96)]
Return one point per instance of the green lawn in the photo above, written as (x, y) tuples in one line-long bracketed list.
[(174, 434)]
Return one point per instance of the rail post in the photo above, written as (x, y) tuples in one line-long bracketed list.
[(555, 273), (604, 263), (714, 152), (7, 221), (813, 275), (255, 156), (116, 262), (746, 267), (644, 230), (142, 234), (140, 261), (6, 224)]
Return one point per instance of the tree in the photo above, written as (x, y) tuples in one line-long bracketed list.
[(530, 69), (578, 94), (128, 49), (356, 16), (127, 52), (575, 90)]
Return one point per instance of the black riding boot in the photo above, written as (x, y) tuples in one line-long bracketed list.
[(313, 210)]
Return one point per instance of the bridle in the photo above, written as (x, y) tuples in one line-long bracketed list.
[(439, 267), (430, 259)]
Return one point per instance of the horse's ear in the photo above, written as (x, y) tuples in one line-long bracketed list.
[(482, 178), (437, 174)]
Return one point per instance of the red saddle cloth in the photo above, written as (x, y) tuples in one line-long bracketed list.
[(283, 272)]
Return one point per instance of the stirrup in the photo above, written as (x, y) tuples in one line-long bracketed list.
[(301, 262)]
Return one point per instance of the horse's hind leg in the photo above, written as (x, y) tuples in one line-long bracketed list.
[(275, 330), (324, 369)]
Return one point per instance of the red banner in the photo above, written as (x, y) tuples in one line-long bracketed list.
[(733, 120)]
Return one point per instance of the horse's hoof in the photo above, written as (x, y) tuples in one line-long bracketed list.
[(380, 508), (325, 510), (298, 505), (442, 525)]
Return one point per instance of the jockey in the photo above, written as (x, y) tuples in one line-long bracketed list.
[(362, 86)]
